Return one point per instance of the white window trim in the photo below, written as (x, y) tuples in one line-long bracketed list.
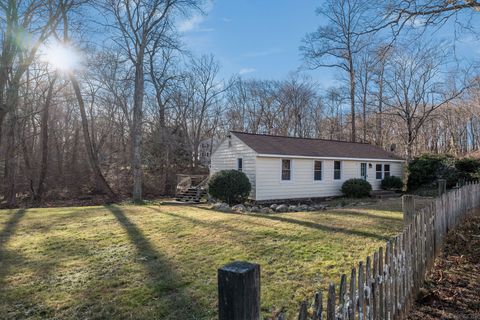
[(291, 170), (341, 170), (238, 167), (313, 171)]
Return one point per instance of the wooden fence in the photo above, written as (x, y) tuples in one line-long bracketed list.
[(384, 286)]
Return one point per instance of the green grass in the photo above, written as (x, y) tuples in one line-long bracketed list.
[(145, 262)]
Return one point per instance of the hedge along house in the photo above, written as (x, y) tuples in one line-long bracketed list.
[(281, 167)]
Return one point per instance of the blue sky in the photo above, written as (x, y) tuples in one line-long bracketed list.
[(255, 38), (260, 38)]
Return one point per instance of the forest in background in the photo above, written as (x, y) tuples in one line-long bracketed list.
[(131, 113)]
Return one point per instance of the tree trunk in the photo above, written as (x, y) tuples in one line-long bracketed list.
[(380, 111), (92, 157), (352, 102), (38, 196), (11, 164), (137, 130)]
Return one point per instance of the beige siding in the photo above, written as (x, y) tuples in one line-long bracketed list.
[(302, 185), (225, 158)]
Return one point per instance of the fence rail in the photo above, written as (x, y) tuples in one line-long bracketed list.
[(384, 286)]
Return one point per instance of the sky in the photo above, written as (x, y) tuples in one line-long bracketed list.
[(255, 38), (261, 38)]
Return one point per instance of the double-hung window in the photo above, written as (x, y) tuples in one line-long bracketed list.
[(378, 171), (240, 164), (337, 170), (286, 169), (317, 170), (386, 170)]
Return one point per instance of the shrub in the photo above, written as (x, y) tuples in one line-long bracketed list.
[(392, 183), (468, 168), (426, 169), (230, 186), (356, 188)]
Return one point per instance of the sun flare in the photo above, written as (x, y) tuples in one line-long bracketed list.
[(61, 57)]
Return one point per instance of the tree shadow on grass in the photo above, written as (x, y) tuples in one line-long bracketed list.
[(361, 213), (167, 283), (5, 235), (322, 227), (277, 217), (9, 228)]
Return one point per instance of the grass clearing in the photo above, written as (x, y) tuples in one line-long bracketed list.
[(145, 262)]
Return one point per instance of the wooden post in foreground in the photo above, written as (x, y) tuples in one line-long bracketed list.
[(239, 291), (442, 186), (408, 206)]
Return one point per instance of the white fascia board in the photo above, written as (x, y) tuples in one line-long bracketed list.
[(326, 158)]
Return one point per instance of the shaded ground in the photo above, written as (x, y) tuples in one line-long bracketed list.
[(452, 290), (146, 262)]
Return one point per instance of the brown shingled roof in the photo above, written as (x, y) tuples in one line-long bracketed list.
[(290, 146)]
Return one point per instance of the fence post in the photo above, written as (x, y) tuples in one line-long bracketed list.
[(239, 291), (442, 186), (408, 206)]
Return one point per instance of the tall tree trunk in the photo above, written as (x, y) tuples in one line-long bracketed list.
[(137, 130), (352, 100), (38, 196), (92, 157), (380, 111), (11, 163)]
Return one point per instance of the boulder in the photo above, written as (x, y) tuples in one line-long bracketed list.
[(274, 206), (221, 206), (282, 208), (292, 208), (266, 210), (239, 208), (254, 209), (303, 207)]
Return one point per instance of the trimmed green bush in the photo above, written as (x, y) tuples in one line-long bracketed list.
[(468, 168), (356, 188), (392, 183), (230, 186), (426, 169)]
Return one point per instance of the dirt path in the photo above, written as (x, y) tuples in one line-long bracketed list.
[(452, 289)]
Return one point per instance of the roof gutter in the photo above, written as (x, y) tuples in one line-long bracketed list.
[(267, 155)]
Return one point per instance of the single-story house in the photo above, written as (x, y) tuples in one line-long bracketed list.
[(281, 167)]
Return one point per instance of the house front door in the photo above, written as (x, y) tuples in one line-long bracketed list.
[(363, 170)]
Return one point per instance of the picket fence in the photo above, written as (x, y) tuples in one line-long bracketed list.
[(383, 286)]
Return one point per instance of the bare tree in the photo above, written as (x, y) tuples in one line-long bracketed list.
[(414, 90), (37, 17), (141, 24), (336, 44)]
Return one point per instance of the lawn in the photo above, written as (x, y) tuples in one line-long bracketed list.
[(152, 261)]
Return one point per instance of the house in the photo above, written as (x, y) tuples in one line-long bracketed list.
[(205, 149), (281, 167)]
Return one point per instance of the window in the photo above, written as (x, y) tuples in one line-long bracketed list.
[(386, 170), (286, 169), (378, 172), (240, 164), (337, 170), (363, 170), (317, 170)]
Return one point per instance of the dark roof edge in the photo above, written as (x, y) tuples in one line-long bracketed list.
[(318, 139), (279, 136)]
